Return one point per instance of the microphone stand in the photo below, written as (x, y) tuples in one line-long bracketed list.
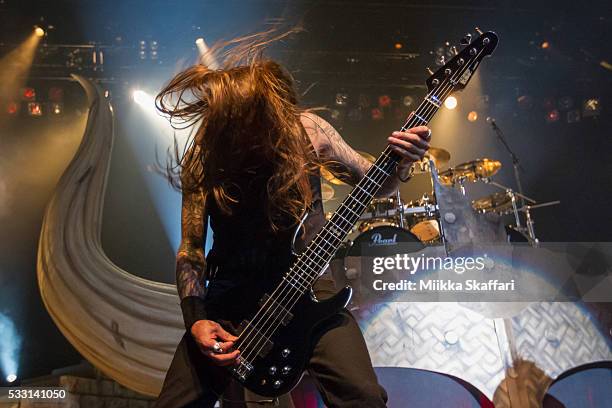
[(515, 161)]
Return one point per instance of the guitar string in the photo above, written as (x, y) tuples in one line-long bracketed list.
[(384, 156)]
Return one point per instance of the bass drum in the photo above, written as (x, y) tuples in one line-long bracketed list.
[(386, 240)]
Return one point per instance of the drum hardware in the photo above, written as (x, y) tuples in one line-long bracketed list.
[(439, 156), (472, 171), (506, 203), (400, 206)]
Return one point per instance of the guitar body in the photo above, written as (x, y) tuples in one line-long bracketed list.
[(280, 367)]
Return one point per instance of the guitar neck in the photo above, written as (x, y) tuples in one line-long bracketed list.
[(322, 248)]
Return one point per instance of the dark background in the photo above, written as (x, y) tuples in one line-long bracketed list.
[(347, 47)]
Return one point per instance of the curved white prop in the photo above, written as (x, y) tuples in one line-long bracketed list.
[(126, 326)]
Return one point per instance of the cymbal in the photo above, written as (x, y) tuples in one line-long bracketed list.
[(329, 176), (440, 156), (474, 170), (327, 192), (497, 202)]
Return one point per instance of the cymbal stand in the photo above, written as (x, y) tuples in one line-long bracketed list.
[(400, 207), (528, 231)]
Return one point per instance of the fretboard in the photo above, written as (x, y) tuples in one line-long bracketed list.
[(312, 262)]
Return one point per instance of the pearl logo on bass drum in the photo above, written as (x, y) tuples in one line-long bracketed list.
[(378, 240)]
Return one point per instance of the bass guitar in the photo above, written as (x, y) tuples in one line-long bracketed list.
[(274, 342)]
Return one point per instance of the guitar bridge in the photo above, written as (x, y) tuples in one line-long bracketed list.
[(242, 369)]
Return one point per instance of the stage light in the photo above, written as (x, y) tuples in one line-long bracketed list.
[(342, 98), (28, 94), (10, 347), (591, 107), (384, 101), (35, 109), (143, 50), (545, 45), (12, 108), (408, 100), (56, 108), (141, 97), (552, 116), (377, 114), (450, 102), (206, 57), (398, 46), (39, 32), (472, 116)]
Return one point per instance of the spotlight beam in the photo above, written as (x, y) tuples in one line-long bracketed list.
[(206, 57)]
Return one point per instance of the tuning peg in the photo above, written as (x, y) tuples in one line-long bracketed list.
[(429, 71), (479, 31), (453, 49), (466, 40)]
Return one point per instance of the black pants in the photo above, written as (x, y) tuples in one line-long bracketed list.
[(340, 366)]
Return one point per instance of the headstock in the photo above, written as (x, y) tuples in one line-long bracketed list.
[(456, 73)]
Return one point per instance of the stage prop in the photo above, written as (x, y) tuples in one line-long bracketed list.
[(128, 327)]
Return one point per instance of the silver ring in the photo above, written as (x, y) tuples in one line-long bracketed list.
[(217, 348)]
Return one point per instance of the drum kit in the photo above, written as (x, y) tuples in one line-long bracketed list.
[(419, 219)]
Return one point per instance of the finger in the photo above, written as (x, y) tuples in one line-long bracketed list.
[(226, 345), (224, 335), (419, 130), (206, 343), (407, 146), (406, 154), (223, 359), (412, 138)]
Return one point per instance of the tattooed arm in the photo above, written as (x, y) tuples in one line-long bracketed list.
[(346, 163), (190, 260), (190, 282)]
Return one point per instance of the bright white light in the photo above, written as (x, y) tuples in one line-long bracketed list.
[(39, 32), (10, 346), (142, 98), (206, 57), (450, 102)]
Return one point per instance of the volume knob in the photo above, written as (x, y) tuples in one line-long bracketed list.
[(272, 370), (285, 353), (277, 383), (285, 370)]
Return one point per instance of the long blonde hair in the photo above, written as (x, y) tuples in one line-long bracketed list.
[(245, 112)]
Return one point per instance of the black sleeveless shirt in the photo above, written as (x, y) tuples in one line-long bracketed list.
[(248, 257)]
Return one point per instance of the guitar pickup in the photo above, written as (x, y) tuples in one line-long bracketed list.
[(275, 308), (254, 332)]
